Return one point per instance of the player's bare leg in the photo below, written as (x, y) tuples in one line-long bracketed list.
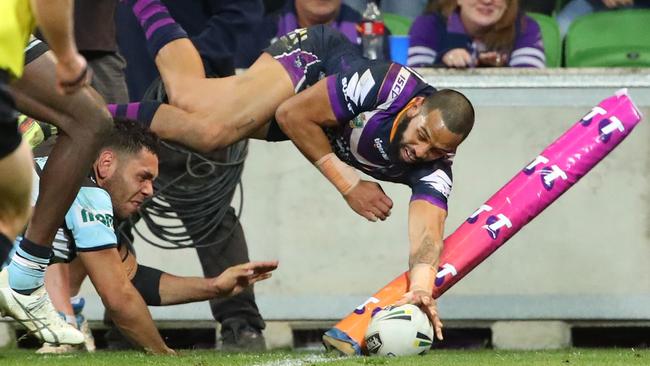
[(15, 187), (221, 111), (82, 120), (226, 110)]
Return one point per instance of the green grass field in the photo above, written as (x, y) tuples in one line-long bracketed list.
[(447, 357)]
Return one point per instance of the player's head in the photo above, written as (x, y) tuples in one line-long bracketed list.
[(127, 166), (432, 127)]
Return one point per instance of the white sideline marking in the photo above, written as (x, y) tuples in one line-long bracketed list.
[(301, 361)]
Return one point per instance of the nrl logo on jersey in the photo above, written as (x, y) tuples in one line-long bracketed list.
[(358, 121), (90, 217)]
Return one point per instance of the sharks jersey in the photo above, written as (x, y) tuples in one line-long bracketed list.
[(88, 223), (366, 102)]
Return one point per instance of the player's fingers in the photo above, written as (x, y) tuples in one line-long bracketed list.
[(437, 326), (387, 201), (378, 213), (258, 278), (402, 301), (383, 207), (370, 216), (266, 266)]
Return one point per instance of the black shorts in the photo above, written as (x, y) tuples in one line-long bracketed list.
[(10, 138), (308, 55), (35, 48)]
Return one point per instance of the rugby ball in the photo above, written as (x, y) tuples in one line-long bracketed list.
[(399, 331)]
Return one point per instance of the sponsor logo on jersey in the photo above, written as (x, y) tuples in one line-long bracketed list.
[(357, 88), (440, 181), (379, 146), (89, 217), (396, 88), (399, 83)]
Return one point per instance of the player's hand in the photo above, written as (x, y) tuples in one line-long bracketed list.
[(72, 73), (427, 303), (236, 278), (457, 58), (369, 200)]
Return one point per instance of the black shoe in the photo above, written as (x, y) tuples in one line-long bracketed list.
[(239, 336)]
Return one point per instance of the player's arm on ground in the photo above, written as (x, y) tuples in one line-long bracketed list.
[(123, 302), (55, 21), (426, 226), (180, 290), (302, 118)]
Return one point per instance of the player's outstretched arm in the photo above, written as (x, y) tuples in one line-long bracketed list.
[(55, 20), (302, 118), (426, 223), (180, 290), (123, 302)]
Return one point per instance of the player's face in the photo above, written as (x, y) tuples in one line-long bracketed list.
[(317, 11), (425, 138), (132, 181), (482, 13)]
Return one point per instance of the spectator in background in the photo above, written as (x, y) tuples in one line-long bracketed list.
[(214, 26), (300, 14), (475, 33), (577, 8)]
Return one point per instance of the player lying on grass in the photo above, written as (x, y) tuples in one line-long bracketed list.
[(349, 112), (57, 86), (121, 178)]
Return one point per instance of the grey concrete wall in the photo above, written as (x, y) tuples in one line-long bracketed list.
[(586, 257)]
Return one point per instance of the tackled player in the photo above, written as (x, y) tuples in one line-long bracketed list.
[(120, 179)]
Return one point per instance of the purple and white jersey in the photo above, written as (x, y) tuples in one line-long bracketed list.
[(366, 102), (431, 37)]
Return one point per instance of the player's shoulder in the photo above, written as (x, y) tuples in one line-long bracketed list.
[(91, 208)]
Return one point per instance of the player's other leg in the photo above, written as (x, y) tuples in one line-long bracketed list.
[(176, 58), (15, 174), (82, 119)]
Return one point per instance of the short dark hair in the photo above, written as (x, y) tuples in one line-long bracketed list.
[(456, 110), (128, 136)]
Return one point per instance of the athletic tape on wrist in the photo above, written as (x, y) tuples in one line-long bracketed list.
[(342, 176), (422, 276)]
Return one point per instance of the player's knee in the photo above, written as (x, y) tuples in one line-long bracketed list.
[(282, 117), (119, 299)]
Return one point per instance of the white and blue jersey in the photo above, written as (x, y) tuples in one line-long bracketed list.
[(88, 223)]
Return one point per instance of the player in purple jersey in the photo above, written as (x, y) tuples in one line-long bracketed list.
[(312, 84)]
